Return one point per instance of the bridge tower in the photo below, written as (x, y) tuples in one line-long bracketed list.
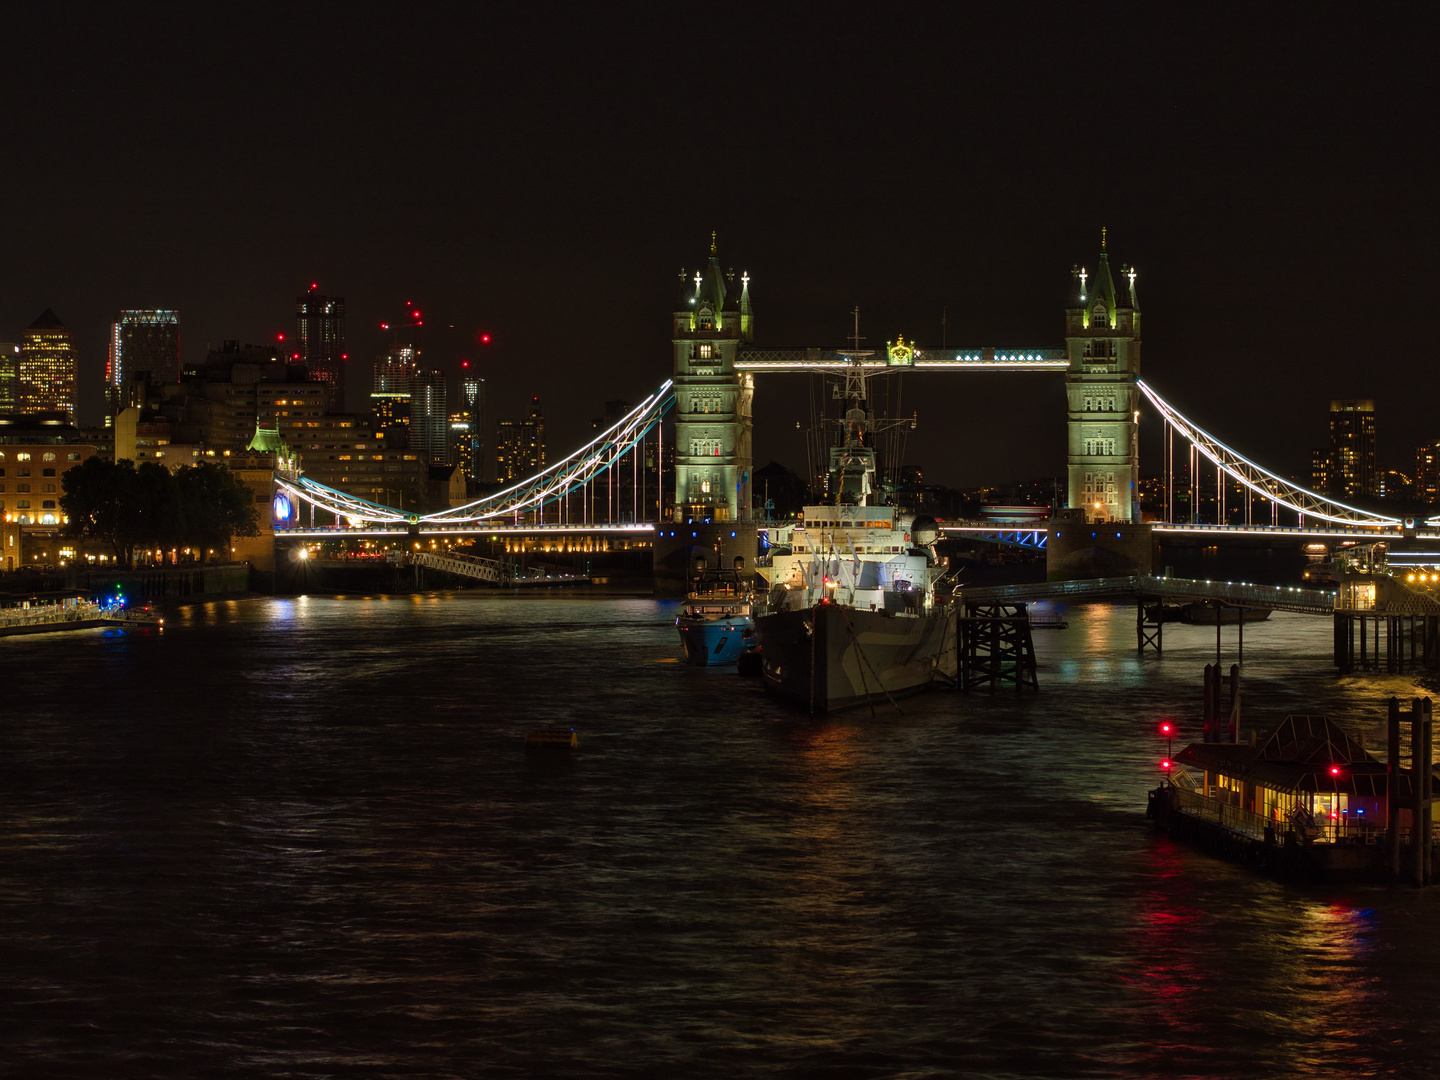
[(713, 426), (1102, 335), (712, 401)]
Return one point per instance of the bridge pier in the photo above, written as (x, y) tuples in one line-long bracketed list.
[(1075, 548), (1149, 632), (995, 646), (678, 545), (1410, 642)]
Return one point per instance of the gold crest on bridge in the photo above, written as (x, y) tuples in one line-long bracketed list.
[(899, 354)]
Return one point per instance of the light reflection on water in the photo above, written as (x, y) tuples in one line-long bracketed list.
[(300, 836)]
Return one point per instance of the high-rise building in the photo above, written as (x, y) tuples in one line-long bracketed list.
[(429, 416), (1427, 469), (320, 326), (145, 340), (466, 426), (395, 370), (9, 377), (520, 446), (1322, 471), (390, 396), (47, 367), (1352, 445)]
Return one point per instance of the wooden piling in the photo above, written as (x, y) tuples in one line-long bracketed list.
[(1424, 792), (1392, 780)]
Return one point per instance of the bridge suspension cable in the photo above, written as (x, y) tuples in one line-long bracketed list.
[(548, 486), (1259, 479)]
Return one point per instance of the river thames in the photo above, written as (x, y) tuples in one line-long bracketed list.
[(300, 837)]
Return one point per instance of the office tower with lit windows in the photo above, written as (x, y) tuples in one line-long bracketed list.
[(1427, 469), (47, 367), (9, 377), (520, 446), (429, 417), (145, 340), (395, 371), (1352, 448), (320, 328), (465, 428)]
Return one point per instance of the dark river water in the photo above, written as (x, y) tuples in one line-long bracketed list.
[(300, 838)]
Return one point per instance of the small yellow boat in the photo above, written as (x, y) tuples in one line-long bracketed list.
[(547, 737)]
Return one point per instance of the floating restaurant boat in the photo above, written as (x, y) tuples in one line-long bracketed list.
[(55, 612), (1306, 800), (851, 616), (716, 623)]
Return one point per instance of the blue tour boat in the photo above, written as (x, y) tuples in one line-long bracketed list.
[(715, 624)]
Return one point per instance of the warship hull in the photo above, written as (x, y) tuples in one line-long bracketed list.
[(831, 657)]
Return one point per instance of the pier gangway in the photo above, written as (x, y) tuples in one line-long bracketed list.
[(1144, 587)]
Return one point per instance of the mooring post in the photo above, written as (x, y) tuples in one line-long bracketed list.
[(1418, 854), (1392, 782), (1427, 786), (1212, 675), (1235, 703)]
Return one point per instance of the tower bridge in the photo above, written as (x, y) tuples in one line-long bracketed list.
[(710, 397)]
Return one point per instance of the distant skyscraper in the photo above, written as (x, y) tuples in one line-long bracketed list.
[(429, 417), (142, 340), (520, 446), (9, 377), (395, 371), (320, 325), (390, 399), (470, 450), (47, 367), (1352, 446), (1322, 471), (1427, 468)]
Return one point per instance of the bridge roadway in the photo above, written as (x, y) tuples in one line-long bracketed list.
[(1032, 535), (473, 528), (1275, 597)]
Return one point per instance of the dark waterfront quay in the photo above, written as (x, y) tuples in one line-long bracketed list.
[(328, 855)]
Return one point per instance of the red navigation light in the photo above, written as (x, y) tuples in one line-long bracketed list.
[(1165, 765), (1334, 770), (1167, 728), (313, 286), (384, 326), (279, 337), (464, 363), (484, 339), (344, 356)]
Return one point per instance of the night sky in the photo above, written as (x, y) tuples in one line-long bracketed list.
[(544, 173)]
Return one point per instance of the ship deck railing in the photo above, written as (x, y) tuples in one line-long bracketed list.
[(49, 613)]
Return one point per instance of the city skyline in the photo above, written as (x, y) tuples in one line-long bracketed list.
[(1274, 205)]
